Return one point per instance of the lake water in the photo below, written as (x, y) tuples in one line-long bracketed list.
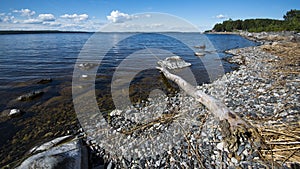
[(28, 58), (25, 57), (35, 56)]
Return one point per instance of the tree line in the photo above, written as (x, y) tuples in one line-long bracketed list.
[(290, 22)]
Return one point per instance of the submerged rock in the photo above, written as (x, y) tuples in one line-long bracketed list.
[(71, 154), (174, 62), (30, 96), (44, 81), (86, 66), (11, 113)]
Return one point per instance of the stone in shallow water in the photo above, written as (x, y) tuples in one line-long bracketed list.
[(44, 81), (174, 62), (15, 112), (11, 113), (87, 66), (30, 96), (199, 54)]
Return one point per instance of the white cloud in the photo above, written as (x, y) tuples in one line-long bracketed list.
[(48, 21), (25, 12), (54, 24), (41, 19), (118, 17), (32, 21), (75, 17), (221, 16), (46, 17), (6, 18)]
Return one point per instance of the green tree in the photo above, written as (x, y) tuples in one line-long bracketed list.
[(292, 15), (291, 22)]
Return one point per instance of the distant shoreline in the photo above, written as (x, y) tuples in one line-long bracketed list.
[(7, 32)]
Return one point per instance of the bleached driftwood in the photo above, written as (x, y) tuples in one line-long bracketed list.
[(233, 127), (215, 106)]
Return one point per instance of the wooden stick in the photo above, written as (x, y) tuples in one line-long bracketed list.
[(281, 133), (284, 149), (283, 143)]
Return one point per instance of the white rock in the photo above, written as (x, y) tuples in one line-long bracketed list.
[(234, 160), (174, 62), (14, 112), (245, 152), (115, 113), (220, 146), (50, 144), (69, 155), (172, 159), (109, 166)]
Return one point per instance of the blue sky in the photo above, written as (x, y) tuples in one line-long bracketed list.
[(91, 15)]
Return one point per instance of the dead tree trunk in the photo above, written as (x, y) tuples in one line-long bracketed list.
[(215, 106), (233, 127)]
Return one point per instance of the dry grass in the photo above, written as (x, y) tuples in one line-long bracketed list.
[(289, 53), (283, 139)]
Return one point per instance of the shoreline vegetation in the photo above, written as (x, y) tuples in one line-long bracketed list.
[(8, 32), (290, 22)]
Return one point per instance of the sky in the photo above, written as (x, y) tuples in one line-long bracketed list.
[(93, 15)]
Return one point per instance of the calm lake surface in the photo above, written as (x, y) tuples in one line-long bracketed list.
[(35, 56), (27, 58)]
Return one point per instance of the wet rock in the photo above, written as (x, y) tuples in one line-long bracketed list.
[(15, 112), (11, 113), (174, 62), (44, 81), (199, 54), (86, 66), (70, 154), (30, 96)]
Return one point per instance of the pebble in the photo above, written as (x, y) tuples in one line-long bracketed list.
[(220, 146), (234, 160)]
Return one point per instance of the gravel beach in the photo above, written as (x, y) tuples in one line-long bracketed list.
[(262, 92)]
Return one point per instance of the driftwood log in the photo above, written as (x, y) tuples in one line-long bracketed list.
[(233, 127), (215, 106)]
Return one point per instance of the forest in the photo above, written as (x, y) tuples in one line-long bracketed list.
[(290, 22)]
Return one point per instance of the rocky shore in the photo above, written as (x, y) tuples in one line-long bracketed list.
[(264, 91)]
